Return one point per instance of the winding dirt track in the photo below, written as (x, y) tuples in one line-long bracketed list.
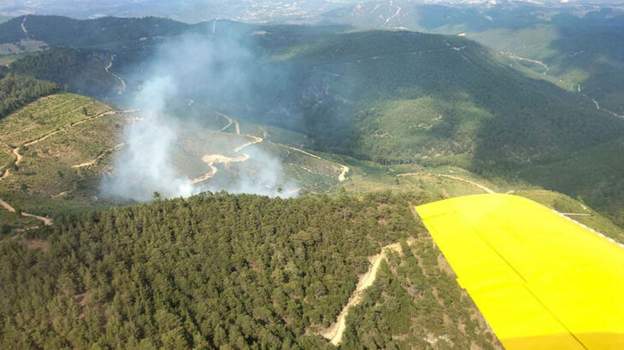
[(229, 120), (335, 332), (19, 158), (396, 13), (213, 159), (519, 58), (24, 29), (456, 178), (45, 220), (122, 83), (476, 184), (344, 170), (98, 158)]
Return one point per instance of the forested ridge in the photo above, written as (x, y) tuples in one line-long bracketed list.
[(215, 270), (17, 90), (415, 304), (60, 31), (80, 71)]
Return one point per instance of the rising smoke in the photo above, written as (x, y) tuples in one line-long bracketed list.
[(219, 72)]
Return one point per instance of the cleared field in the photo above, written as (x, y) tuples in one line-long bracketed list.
[(40, 145), (46, 115), (541, 280)]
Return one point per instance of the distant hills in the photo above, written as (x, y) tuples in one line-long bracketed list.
[(569, 43), (361, 125), (392, 97)]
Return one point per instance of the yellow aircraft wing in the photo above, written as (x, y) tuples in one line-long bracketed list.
[(541, 280)]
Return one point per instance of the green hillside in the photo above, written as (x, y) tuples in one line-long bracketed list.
[(389, 97), (106, 32), (80, 71), (17, 91), (357, 126), (397, 97), (267, 271), (55, 151), (571, 45), (593, 174)]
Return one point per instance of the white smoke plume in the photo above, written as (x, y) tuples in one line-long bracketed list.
[(191, 67)]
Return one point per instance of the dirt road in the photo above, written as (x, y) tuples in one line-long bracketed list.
[(396, 13), (122, 83), (456, 178), (16, 150), (335, 332), (343, 174), (18, 160), (229, 120), (344, 170), (476, 184), (98, 158), (519, 58), (24, 29), (45, 220), (213, 159)]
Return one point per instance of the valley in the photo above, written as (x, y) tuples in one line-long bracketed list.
[(240, 185)]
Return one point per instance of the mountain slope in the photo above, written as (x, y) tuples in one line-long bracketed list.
[(569, 44), (391, 97), (406, 97), (81, 71), (593, 174), (98, 33), (267, 271)]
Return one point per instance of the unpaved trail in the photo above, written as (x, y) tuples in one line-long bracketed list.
[(344, 170), (254, 140), (302, 152), (67, 127), (567, 217), (600, 108), (213, 159), (45, 220), (237, 127), (335, 332), (18, 159), (7, 206), (343, 174), (229, 120), (99, 157), (519, 58), (476, 184), (207, 176), (396, 13), (62, 194), (456, 178), (24, 29), (18, 156), (596, 103), (122, 83), (16, 150)]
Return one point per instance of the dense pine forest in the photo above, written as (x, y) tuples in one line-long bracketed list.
[(416, 304), (215, 270), (80, 71), (16, 91)]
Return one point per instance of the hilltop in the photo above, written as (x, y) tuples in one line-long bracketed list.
[(392, 97), (340, 132), (267, 271), (568, 44)]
